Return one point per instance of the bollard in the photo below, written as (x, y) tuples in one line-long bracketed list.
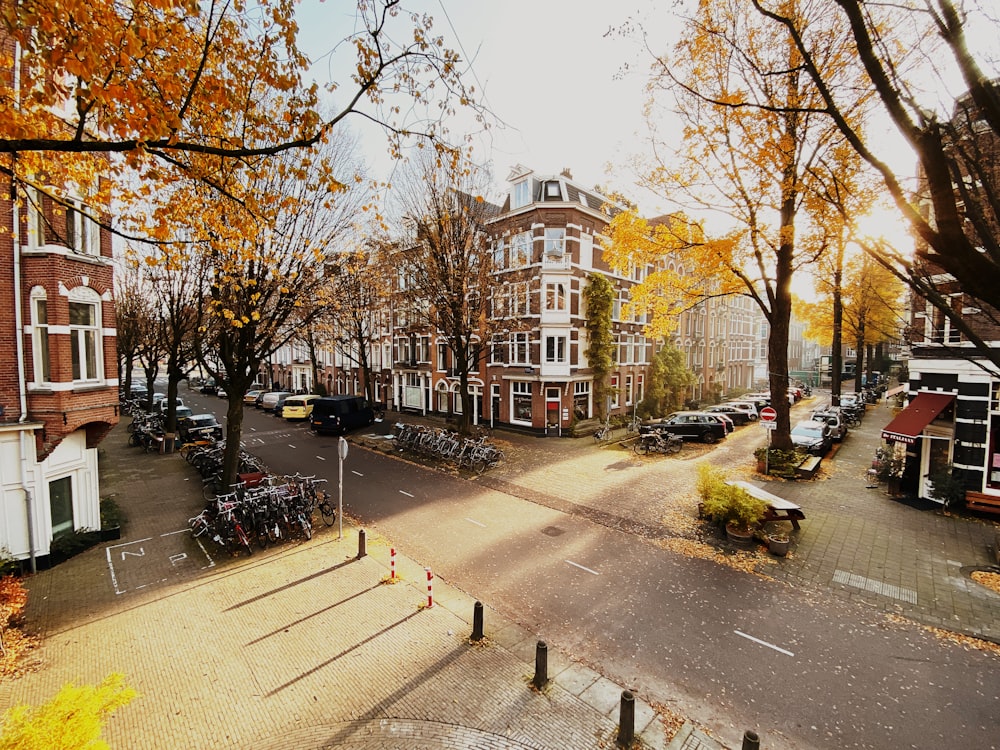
[(430, 588), (392, 563), (541, 665), (362, 544), (477, 622), (626, 719), (750, 740)]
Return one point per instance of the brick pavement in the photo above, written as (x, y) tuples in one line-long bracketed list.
[(302, 646)]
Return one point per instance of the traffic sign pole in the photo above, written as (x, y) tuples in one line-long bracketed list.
[(767, 419)]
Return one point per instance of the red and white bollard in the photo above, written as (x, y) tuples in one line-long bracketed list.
[(392, 563), (430, 588)]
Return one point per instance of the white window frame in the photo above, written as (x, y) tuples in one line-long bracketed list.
[(520, 194), (520, 250), (83, 235), (36, 219), (520, 389), (42, 361), (79, 346), (555, 296), (520, 344), (519, 301), (555, 242), (555, 349), (613, 387)]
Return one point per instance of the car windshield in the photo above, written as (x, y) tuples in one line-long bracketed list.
[(808, 429)]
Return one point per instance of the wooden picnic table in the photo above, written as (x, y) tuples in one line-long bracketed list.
[(778, 509)]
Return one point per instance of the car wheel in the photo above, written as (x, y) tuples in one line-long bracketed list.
[(752, 417), (709, 437)]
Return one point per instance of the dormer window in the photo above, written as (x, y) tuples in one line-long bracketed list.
[(520, 194), (553, 190)]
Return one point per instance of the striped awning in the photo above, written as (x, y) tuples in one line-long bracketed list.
[(920, 412)]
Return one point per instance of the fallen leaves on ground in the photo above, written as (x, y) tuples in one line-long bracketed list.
[(965, 641), (671, 720), (747, 561), (988, 579), (18, 656)]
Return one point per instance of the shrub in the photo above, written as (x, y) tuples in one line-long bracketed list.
[(780, 463), (73, 719), (726, 504), (66, 546), (112, 515)]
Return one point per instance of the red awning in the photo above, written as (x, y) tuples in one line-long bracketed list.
[(922, 410), (898, 389)]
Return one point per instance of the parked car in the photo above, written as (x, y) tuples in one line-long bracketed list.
[(250, 397), (746, 406), (199, 427), (813, 437), (760, 400), (162, 404), (833, 417), (209, 387), (737, 416), (298, 407), (272, 399), (333, 414), (691, 425)]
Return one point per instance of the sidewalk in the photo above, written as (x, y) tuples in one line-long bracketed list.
[(303, 646)]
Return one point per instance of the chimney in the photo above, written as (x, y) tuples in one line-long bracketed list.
[(566, 173)]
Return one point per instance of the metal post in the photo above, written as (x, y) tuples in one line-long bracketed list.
[(477, 622), (342, 452), (430, 588), (362, 544), (392, 563), (750, 740), (626, 720), (541, 665)]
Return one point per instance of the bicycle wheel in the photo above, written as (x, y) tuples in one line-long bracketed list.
[(307, 527), (674, 446), (244, 539), (641, 447), (328, 512)]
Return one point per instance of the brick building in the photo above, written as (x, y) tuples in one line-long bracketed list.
[(58, 380)]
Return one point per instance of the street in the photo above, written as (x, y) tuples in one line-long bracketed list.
[(727, 648)]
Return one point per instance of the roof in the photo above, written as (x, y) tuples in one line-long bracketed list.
[(922, 410)]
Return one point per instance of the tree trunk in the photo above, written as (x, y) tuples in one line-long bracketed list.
[(236, 387), (837, 346)]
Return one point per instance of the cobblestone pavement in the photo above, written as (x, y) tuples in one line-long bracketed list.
[(302, 646)]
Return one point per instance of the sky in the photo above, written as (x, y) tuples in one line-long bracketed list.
[(549, 70)]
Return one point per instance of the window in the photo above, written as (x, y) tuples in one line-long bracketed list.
[(85, 335), (614, 392), (498, 350), (36, 220), (555, 296), (553, 190), (61, 506), (555, 349), (442, 356), (520, 394), (519, 302), (40, 335), (520, 250), (520, 194), (519, 349), (555, 242), (581, 400), (82, 234), (628, 390), (639, 388), (499, 255)]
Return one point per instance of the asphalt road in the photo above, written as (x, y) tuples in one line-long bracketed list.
[(730, 649)]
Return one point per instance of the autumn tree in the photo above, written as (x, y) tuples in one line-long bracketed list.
[(446, 261), (133, 320), (751, 147), (669, 379), (166, 83), (912, 55)]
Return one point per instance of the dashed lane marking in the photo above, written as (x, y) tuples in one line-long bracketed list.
[(763, 643), (321, 458), (404, 492), (357, 472), (476, 522), (581, 567)]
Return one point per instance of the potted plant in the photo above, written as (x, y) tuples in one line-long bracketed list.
[(112, 518), (777, 544), (946, 487), (889, 467), (731, 506)]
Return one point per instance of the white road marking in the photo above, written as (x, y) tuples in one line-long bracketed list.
[(291, 446), (476, 522), (357, 472), (404, 492), (577, 565), (321, 458), (763, 643)]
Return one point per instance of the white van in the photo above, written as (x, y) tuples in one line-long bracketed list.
[(271, 399)]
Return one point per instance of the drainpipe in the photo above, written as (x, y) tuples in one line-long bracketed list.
[(19, 337)]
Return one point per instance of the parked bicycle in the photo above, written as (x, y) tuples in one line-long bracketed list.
[(473, 453), (658, 442), (603, 433)]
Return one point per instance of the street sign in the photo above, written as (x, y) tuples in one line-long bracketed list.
[(768, 425), (768, 414)]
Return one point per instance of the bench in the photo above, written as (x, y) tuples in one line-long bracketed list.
[(982, 502), (778, 509), (808, 468)]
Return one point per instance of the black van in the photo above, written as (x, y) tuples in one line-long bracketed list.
[(340, 414)]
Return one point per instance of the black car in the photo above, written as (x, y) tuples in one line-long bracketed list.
[(199, 427), (739, 416), (813, 436), (691, 425), (210, 388)]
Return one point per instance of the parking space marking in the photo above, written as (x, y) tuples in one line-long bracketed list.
[(146, 562), (581, 567), (404, 492), (476, 522)]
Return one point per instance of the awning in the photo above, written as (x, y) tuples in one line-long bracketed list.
[(894, 391), (922, 410)]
